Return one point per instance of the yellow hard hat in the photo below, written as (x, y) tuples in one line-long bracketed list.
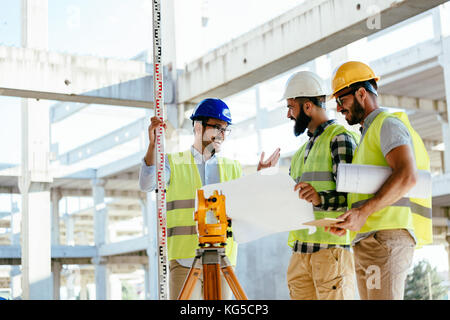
[(349, 73)]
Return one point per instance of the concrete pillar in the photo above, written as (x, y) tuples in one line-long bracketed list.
[(448, 249), (56, 197), (56, 266), (15, 282), (83, 288), (101, 237), (144, 210), (56, 271), (260, 120), (116, 287), (445, 62), (15, 273), (151, 274), (437, 25), (69, 222), (34, 182), (70, 284)]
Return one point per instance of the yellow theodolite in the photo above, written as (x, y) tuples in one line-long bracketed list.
[(211, 254), (212, 234)]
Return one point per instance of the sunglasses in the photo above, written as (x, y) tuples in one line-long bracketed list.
[(366, 86), (339, 99)]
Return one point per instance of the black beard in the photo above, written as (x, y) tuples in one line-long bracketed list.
[(357, 113), (301, 123)]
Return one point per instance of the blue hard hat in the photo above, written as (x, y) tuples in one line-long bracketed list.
[(212, 108)]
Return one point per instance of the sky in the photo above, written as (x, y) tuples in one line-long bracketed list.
[(122, 29)]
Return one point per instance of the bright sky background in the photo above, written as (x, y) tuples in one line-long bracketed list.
[(122, 29)]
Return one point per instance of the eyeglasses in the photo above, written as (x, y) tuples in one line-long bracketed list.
[(225, 131), (339, 99), (366, 86)]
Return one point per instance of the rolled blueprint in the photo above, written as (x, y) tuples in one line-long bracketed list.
[(368, 179)]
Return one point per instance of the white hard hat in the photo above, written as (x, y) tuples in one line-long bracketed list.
[(304, 84)]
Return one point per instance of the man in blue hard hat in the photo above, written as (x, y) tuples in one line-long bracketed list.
[(187, 171)]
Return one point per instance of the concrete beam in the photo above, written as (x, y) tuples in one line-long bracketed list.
[(277, 116), (441, 185), (122, 247), (411, 103), (10, 255), (39, 74), (308, 31), (408, 62), (104, 143), (59, 252)]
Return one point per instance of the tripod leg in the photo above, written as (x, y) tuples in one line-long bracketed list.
[(234, 284), (191, 280), (212, 288)]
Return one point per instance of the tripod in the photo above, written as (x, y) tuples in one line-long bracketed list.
[(213, 260), (210, 257)]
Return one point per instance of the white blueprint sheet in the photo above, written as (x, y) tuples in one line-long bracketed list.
[(368, 179), (263, 203)]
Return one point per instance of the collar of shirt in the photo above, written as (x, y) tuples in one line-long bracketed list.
[(320, 128), (369, 119), (198, 157)]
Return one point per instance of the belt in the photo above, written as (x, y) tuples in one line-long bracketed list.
[(308, 247)]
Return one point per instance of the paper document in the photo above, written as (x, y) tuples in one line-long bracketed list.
[(368, 179), (325, 222), (263, 203)]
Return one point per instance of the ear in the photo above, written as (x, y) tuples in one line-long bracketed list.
[(308, 108), (197, 128), (361, 94)]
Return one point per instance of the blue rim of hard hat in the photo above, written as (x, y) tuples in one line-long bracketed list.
[(212, 108)]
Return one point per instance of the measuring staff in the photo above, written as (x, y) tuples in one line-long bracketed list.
[(159, 112)]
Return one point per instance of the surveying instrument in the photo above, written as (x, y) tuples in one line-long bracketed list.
[(210, 257)]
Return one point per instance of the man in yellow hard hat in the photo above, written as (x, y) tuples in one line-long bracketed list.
[(387, 225), (321, 266)]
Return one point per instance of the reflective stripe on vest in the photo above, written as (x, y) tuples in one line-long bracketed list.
[(182, 238), (407, 213), (181, 204), (318, 171), (403, 202), (316, 176), (182, 231)]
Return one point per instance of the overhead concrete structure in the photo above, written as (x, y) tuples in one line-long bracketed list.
[(115, 232), (296, 37)]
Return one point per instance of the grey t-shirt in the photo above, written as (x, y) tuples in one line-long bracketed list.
[(392, 135)]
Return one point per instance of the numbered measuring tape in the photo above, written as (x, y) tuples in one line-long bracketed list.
[(161, 181)]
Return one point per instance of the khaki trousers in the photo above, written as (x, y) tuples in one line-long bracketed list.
[(382, 261), (327, 274), (177, 276)]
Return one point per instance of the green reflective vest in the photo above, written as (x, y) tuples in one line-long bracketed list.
[(407, 213), (182, 238), (318, 171)]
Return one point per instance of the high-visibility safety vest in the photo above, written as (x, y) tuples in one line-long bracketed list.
[(318, 172), (407, 213), (182, 237)]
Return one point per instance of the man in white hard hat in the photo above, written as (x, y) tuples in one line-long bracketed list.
[(321, 266)]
